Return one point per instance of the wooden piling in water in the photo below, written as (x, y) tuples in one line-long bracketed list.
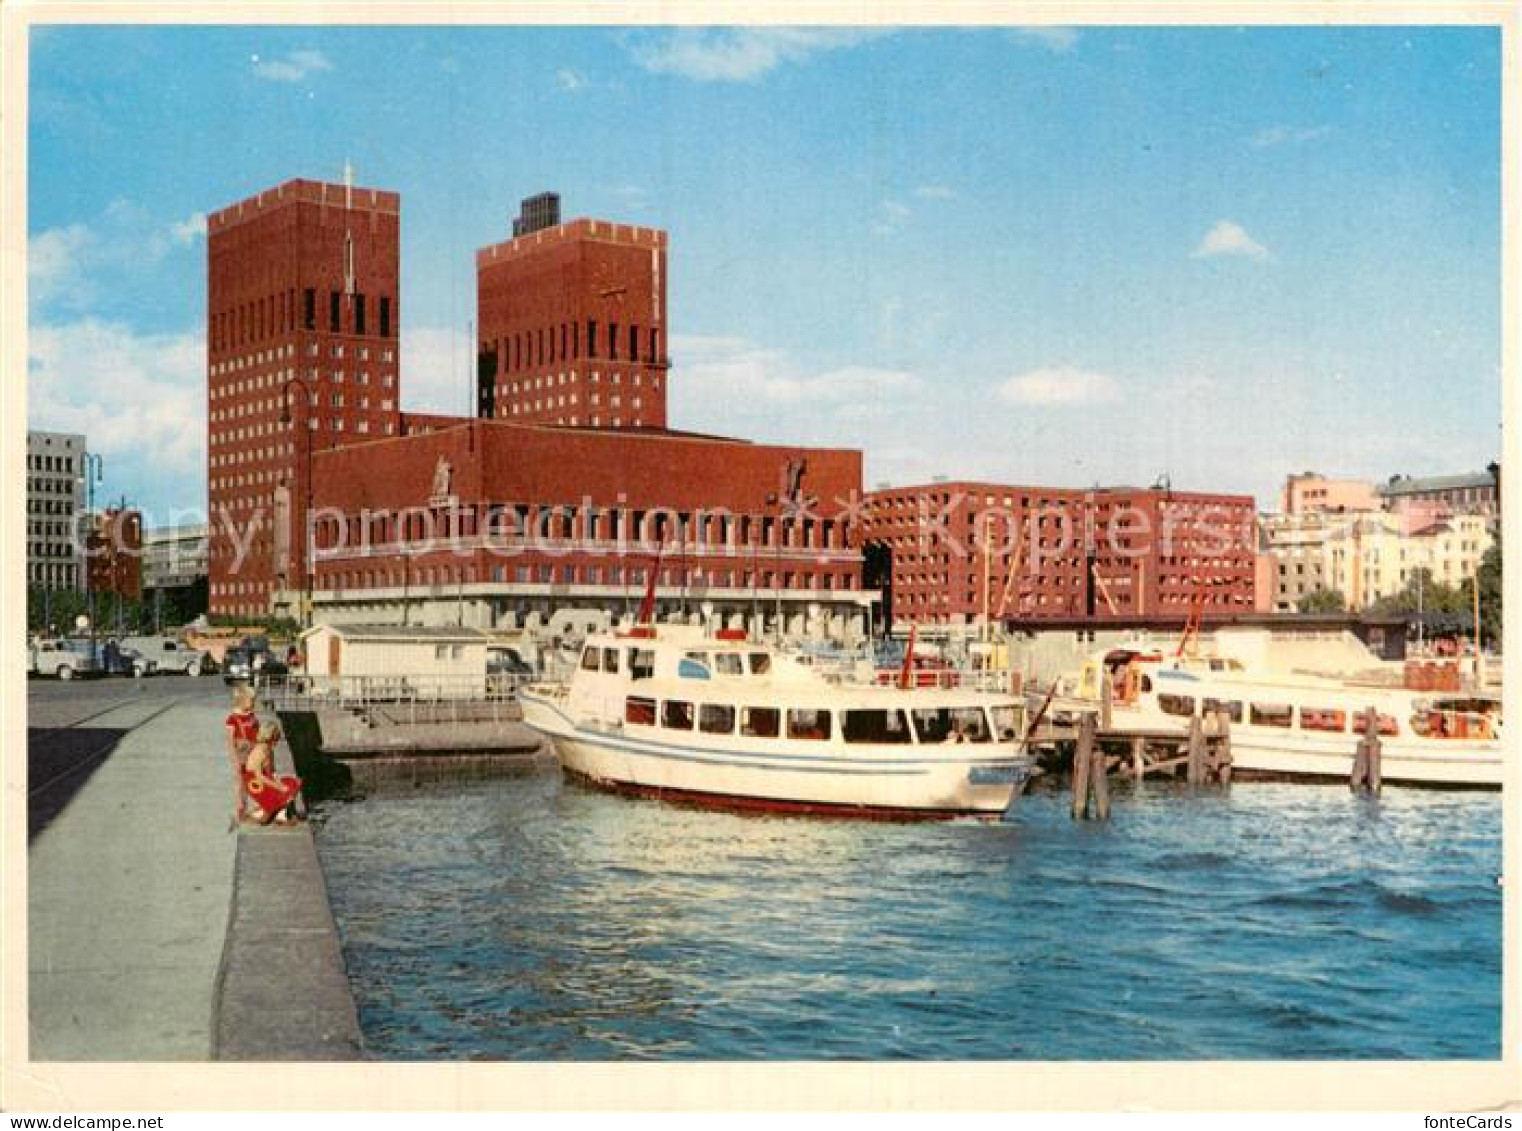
[(1106, 701), (1099, 775), (1138, 757), (1223, 748), (1194, 772), (1366, 759), (1083, 757)]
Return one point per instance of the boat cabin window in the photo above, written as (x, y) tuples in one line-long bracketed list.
[(760, 663), (1323, 718), (808, 723), (1271, 714), (1176, 704), (701, 658), (639, 712), (760, 722), (610, 660), (950, 724), (1007, 723), (1146, 684), (591, 660), (729, 663), (641, 663), (716, 718), (1232, 707), (676, 714), (874, 726), (689, 668)]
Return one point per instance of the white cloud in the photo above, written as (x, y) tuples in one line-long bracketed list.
[(138, 397), (569, 80), (935, 192), (736, 54), (1228, 238), (1053, 38), (188, 230), (1283, 135), (726, 374), (54, 258), (293, 66), (1059, 385), (438, 370)]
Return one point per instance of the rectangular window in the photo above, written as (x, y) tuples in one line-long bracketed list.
[(591, 660), (613, 340), (730, 663), (385, 316), (676, 714), (309, 309), (1232, 707), (333, 312), (359, 314), (639, 711), (1324, 719), (633, 343), (760, 722), (808, 724), (1176, 704), (610, 660), (950, 724), (716, 718), (1271, 714), (654, 355), (876, 726), (641, 663), (591, 338)]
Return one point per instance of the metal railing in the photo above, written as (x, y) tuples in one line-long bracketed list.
[(297, 692)]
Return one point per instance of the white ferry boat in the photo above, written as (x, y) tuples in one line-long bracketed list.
[(1293, 725), (673, 713)]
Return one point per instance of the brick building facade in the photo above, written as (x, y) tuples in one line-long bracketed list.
[(302, 350), (486, 521), (1102, 554), (572, 324)]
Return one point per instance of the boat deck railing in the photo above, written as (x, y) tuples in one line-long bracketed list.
[(298, 692)]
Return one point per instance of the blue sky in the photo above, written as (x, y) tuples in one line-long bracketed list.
[(1063, 256)]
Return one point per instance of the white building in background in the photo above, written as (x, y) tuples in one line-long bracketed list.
[(55, 497), (175, 556), (1368, 555)]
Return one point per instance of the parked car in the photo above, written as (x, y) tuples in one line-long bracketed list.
[(65, 659), (506, 670), (244, 664), (169, 654), (119, 660)]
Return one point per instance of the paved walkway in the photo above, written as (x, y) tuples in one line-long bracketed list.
[(155, 934), (128, 895)]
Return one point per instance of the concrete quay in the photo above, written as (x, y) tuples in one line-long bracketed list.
[(154, 933)]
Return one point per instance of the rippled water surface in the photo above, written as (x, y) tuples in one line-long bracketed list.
[(530, 919)]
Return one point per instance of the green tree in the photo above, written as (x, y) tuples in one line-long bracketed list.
[(1490, 593), (1422, 594), (1323, 601)]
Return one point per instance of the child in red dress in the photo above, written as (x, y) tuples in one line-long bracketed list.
[(273, 797), (242, 733)]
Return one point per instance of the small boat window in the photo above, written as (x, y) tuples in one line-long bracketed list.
[(1007, 723), (1146, 684), (760, 663), (760, 722), (730, 663), (639, 712), (808, 723), (1176, 704), (716, 718), (1232, 707), (1323, 718), (950, 724), (700, 657), (590, 660), (610, 660), (676, 714), (1272, 714), (874, 726), (688, 668), (641, 663)]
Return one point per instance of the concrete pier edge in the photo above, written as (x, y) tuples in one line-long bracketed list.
[(282, 991)]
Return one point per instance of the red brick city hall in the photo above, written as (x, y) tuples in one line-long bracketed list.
[(569, 486)]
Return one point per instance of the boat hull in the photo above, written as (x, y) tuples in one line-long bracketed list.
[(910, 782)]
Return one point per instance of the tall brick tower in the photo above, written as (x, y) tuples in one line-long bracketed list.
[(572, 322), (302, 286)]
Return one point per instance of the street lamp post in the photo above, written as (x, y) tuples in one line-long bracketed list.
[(94, 469), (306, 510), (781, 504)]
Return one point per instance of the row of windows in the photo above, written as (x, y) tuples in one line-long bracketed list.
[(930, 726), (531, 349), (40, 485), (249, 361), (280, 313), (397, 578), (1280, 715), (63, 465)]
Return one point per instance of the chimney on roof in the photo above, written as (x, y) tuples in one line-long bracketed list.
[(536, 212)]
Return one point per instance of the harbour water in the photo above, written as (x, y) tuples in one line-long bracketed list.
[(531, 919)]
